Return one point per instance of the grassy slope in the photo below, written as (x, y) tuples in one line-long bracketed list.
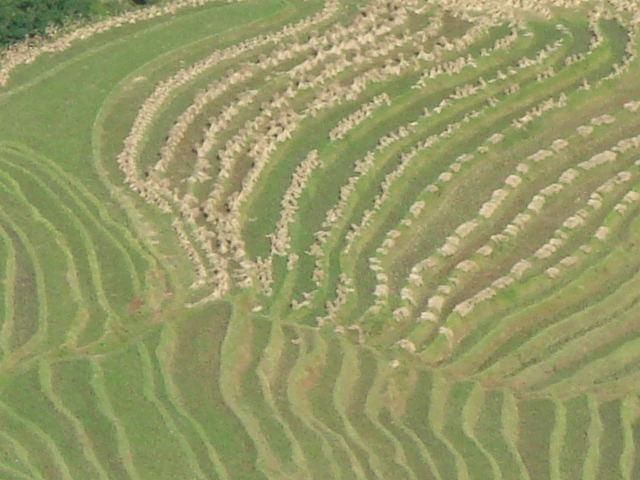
[(104, 374)]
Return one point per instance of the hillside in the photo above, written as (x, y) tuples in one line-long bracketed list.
[(343, 239)]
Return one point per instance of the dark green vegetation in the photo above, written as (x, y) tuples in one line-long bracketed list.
[(361, 240), (20, 19)]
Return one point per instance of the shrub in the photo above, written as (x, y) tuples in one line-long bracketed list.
[(20, 19)]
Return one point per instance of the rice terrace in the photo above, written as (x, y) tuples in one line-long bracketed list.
[(322, 239)]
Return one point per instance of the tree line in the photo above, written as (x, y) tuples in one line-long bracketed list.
[(20, 19)]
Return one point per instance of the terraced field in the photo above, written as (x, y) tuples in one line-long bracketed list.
[(345, 239)]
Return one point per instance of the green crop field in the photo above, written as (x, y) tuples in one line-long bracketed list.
[(323, 239)]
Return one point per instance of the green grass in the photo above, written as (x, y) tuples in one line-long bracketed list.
[(537, 418)]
